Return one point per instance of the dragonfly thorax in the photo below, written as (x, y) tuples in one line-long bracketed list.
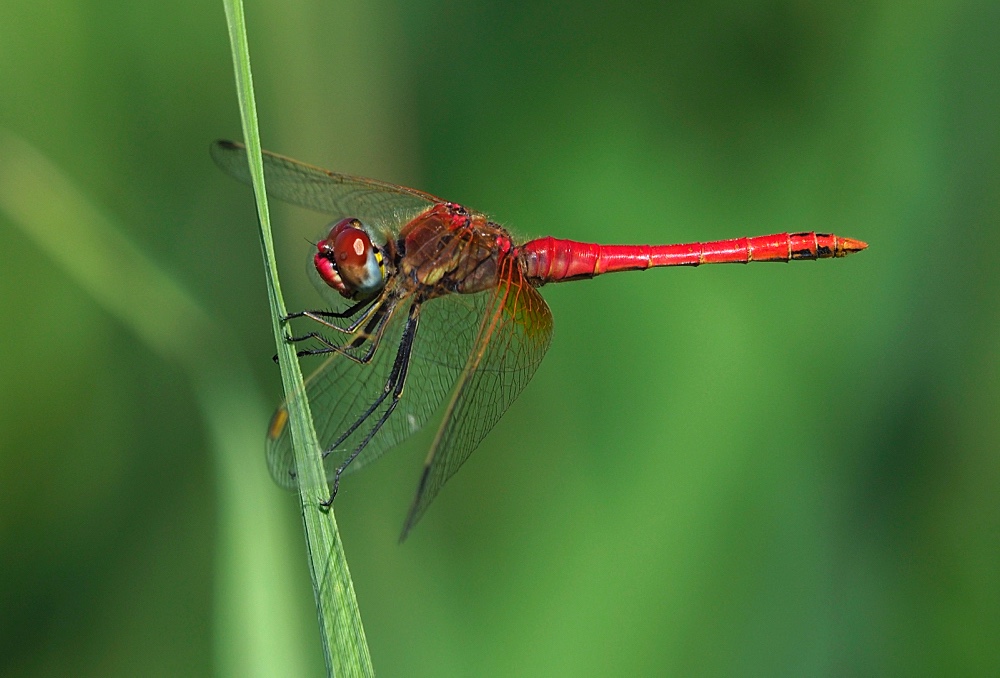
[(349, 262), (449, 249)]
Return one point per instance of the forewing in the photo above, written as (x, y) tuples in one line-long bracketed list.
[(379, 204), (510, 342)]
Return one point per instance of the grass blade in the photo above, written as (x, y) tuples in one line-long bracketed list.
[(340, 625)]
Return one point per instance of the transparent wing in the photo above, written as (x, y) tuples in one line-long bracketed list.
[(510, 342), (379, 204), (340, 390)]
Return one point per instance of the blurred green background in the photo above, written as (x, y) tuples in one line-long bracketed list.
[(771, 470)]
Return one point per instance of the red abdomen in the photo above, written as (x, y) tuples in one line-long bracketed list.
[(552, 260)]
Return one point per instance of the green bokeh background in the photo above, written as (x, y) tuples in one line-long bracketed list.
[(771, 470)]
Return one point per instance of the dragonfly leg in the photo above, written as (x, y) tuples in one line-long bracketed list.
[(315, 315), (328, 346), (368, 328), (372, 333), (321, 318), (394, 386), (371, 308)]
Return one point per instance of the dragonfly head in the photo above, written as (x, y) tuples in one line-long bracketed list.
[(349, 262)]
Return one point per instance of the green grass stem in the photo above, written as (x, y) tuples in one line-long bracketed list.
[(340, 625)]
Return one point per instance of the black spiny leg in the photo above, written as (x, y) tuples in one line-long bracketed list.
[(393, 385), (376, 323), (321, 316), (373, 319), (347, 313)]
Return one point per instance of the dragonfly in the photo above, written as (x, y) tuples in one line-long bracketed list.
[(433, 305)]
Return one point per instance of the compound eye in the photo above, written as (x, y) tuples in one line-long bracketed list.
[(351, 249), (349, 262)]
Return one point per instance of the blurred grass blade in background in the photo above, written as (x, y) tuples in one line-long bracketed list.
[(255, 632), (341, 631)]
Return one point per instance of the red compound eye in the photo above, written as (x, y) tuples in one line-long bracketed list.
[(346, 260), (351, 248)]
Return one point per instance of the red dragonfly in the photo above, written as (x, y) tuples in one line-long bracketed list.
[(442, 308)]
